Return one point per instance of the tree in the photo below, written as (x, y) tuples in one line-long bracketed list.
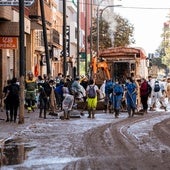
[(165, 45), (163, 61), (104, 35), (122, 34)]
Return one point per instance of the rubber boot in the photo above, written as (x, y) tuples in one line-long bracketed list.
[(11, 117), (44, 114), (89, 112), (129, 112), (65, 115), (105, 108), (93, 114), (40, 114), (68, 115), (7, 116), (133, 112), (116, 113), (15, 117)]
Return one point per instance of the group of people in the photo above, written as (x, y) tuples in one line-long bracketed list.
[(61, 93), (43, 92), (11, 99), (133, 95)]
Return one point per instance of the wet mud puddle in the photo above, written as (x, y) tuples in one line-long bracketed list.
[(13, 152)]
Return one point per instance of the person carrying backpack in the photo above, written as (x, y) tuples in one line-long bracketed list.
[(91, 91), (157, 95)]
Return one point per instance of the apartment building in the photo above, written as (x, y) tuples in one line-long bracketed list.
[(9, 38), (35, 59), (53, 19)]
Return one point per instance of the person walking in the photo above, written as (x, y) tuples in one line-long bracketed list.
[(13, 99), (52, 98), (117, 97), (31, 88), (108, 92), (91, 93), (42, 102), (67, 105), (157, 95), (144, 94), (59, 94), (6, 100), (131, 95)]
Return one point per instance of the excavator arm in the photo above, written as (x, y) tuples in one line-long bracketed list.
[(96, 65)]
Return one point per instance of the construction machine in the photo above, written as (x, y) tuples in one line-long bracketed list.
[(119, 62), (100, 69)]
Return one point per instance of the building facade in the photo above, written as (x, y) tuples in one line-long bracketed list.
[(35, 56)]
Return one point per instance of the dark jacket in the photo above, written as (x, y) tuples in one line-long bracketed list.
[(144, 89)]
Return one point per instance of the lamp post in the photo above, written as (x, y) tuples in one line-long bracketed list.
[(109, 6), (101, 13)]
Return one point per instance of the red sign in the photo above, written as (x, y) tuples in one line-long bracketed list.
[(8, 42)]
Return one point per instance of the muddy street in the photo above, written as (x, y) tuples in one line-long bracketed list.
[(138, 143)]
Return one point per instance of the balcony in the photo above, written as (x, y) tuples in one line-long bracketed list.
[(71, 6), (5, 13)]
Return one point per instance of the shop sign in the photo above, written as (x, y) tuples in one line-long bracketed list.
[(15, 2), (8, 42)]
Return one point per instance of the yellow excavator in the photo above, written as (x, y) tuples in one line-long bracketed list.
[(100, 65)]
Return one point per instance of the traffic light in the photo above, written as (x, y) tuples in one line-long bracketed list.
[(67, 41)]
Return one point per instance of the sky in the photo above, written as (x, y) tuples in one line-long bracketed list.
[(148, 23)]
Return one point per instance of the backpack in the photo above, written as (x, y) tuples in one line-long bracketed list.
[(149, 89), (109, 87), (91, 92), (157, 86)]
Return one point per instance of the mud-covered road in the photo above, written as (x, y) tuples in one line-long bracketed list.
[(103, 143)]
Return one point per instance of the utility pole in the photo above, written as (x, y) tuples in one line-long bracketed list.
[(22, 61), (98, 31), (64, 38), (86, 24), (45, 38), (78, 53), (91, 38)]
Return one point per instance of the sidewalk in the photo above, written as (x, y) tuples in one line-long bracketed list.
[(7, 129)]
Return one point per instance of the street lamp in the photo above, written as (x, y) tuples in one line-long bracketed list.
[(102, 10), (109, 6)]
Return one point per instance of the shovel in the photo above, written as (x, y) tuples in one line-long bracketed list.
[(133, 101)]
